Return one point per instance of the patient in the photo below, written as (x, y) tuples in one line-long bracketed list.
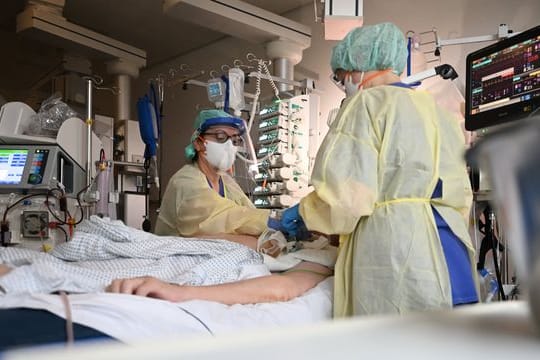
[(275, 287), (4, 269), (86, 264), (36, 326)]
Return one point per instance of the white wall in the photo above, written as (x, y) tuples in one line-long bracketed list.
[(453, 19)]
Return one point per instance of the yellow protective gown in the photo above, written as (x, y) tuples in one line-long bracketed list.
[(190, 207), (373, 177)]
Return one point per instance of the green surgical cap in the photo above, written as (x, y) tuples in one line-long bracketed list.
[(371, 47), (216, 117), (208, 114)]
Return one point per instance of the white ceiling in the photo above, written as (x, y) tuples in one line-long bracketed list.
[(140, 23)]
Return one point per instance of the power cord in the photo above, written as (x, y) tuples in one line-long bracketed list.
[(198, 319), (490, 242)]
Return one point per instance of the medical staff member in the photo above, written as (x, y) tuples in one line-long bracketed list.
[(390, 178), (202, 198)]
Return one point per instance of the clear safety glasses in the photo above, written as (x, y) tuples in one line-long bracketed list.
[(221, 137)]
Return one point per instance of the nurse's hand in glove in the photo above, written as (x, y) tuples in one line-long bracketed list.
[(293, 225)]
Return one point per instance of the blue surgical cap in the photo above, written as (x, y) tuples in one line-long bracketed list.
[(208, 118), (371, 47)]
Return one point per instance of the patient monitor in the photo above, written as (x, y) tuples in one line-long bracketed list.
[(503, 86), (26, 168), (503, 81)]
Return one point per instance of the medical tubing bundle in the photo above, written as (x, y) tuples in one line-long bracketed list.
[(79, 202), (256, 98), (146, 225), (104, 187), (490, 242), (150, 113), (261, 65), (63, 206), (494, 250), (4, 225)]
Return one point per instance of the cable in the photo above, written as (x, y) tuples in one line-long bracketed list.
[(146, 225), (70, 338), (18, 202), (58, 227), (489, 228), (78, 196), (196, 318), (48, 205)]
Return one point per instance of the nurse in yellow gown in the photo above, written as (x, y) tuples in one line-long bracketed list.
[(390, 178), (202, 198)]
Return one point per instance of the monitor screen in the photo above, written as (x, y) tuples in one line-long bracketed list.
[(503, 81), (12, 163)]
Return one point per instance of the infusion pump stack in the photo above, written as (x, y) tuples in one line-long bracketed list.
[(286, 145)]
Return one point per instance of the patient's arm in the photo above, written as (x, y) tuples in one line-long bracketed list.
[(4, 269), (247, 240), (276, 287)]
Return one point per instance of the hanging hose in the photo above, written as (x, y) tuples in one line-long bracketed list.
[(146, 224), (494, 250), (261, 66), (257, 94)]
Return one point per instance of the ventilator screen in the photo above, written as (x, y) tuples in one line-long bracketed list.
[(12, 163), (503, 81)]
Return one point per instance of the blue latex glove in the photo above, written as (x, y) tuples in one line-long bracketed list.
[(274, 223), (293, 225)]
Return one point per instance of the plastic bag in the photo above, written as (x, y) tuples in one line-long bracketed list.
[(50, 116), (236, 91)]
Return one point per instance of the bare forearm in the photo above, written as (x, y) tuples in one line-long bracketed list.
[(272, 288), (263, 289), (4, 269)]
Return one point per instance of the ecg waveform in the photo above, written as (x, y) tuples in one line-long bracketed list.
[(508, 75)]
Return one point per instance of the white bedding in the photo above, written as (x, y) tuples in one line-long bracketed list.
[(103, 250), (132, 319)]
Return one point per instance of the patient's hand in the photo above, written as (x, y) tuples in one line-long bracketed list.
[(146, 286), (4, 269)]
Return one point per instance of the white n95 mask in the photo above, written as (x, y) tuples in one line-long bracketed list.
[(350, 87), (221, 156)]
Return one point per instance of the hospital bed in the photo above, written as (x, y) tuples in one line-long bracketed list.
[(501, 330), (132, 319), (101, 251)]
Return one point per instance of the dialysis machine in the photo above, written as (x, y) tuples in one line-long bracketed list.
[(43, 181), (36, 182)]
